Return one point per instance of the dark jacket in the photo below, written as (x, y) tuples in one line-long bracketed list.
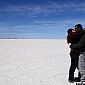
[(80, 46), (77, 37), (74, 38)]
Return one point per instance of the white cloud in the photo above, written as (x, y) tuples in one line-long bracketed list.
[(47, 9), (48, 23), (71, 21)]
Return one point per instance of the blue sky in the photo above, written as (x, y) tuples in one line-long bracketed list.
[(40, 18)]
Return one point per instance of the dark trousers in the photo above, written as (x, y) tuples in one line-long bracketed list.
[(74, 64)]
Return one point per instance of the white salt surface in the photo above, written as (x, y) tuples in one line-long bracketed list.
[(34, 62)]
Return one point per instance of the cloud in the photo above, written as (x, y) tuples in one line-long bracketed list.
[(44, 23), (44, 9), (39, 27), (59, 22)]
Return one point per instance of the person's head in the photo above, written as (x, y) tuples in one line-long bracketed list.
[(71, 31), (78, 27)]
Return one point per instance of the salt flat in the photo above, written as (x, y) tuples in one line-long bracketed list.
[(34, 62)]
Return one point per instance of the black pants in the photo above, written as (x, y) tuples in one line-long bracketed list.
[(74, 64)]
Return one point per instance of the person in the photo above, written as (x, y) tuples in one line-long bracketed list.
[(74, 55), (80, 46), (73, 39)]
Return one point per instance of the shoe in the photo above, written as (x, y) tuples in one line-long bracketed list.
[(77, 79), (84, 83), (79, 83), (71, 81)]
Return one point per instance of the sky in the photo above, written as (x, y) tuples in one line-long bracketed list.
[(40, 18)]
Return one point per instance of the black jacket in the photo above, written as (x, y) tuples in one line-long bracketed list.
[(80, 46), (77, 37)]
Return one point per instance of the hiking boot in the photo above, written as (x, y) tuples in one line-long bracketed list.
[(78, 83), (77, 79), (84, 83), (71, 81)]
